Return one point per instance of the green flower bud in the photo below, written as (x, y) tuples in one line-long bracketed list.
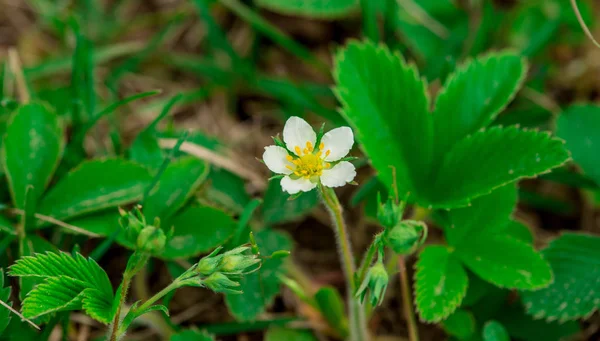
[(219, 282), (151, 240), (406, 236), (389, 213), (209, 264), (132, 222), (238, 264), (375, 283)]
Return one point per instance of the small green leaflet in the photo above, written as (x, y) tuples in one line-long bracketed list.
[(331, 306), (461, 324), (115, 182), (198, 229), (176, 185), (386, 102), (579, 126), (575, 292), (70, 283), (494, 331), (32, 148), (506, 262), (440, 283), (320, 9)]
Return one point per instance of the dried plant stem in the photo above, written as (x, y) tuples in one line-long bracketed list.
[(15, 66), (584, 27), (18, 314), (358, 324), (57, 222), (409, 314)]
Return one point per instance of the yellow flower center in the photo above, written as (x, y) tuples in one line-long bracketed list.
[(308, 164)]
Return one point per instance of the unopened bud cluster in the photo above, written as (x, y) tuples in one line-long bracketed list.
[(403, 236), (146, 238), (222, 272)]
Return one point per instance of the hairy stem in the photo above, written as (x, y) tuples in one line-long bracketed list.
[(117, 318), (409, 315), (358, 324), (174, 285)]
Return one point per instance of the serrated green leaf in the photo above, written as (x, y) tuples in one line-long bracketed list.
[(32, 148), (180, 180), (506, 262), (474, 95), (494, 331), (278, 208), (391, 118), (440, 283), (321, 9), (386, 102), (331, 306), (260, 287), (70, 283), (96, 185), (498, 156), (575, 292), (579, 126), (192, 335), (488, 214), (461, 324), (5, 314), (288, 334), (198, 229)]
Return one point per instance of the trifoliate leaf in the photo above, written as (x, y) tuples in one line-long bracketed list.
[(386, 102), (321, 9), (95, 185), (32, 148), (575, 292), (492, 158), (440, 283), (506, 262), (474, 95), (70, 283), (494, 331), (579, 126)]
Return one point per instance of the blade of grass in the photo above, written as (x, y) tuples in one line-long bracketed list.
[(275, 34)]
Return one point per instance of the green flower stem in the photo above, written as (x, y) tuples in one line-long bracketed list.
[(135, 263), (174, 285), (407, 305), (358, 323), (123, 288)]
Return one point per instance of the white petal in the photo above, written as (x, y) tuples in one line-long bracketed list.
[(338, 141), (294, 186), (339, 175), (297, 132), (275, 158)]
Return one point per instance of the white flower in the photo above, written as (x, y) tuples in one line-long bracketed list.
[(304, 164)]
